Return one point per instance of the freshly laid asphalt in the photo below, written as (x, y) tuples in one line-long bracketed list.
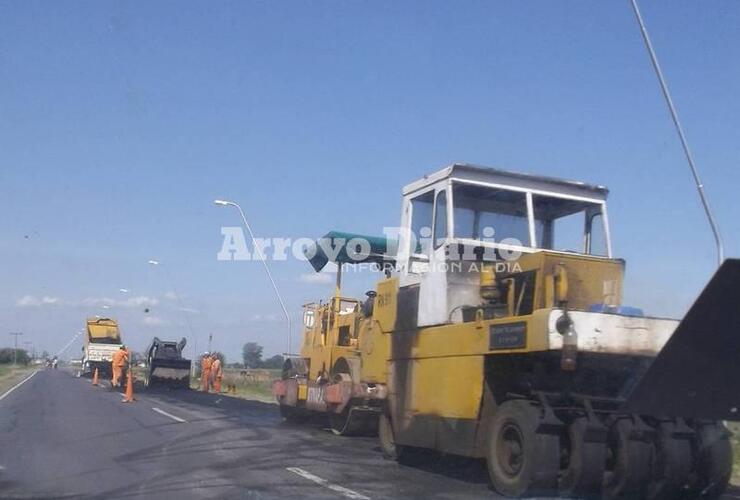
[(62, 437)]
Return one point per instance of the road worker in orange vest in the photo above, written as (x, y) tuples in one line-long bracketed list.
[(120, 357), (216, 373), (205, 372)]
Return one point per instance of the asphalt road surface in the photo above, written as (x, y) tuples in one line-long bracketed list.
[(61, 437)]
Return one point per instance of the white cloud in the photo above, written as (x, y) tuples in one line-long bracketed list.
[(139, 301), (155, 321), (31, 301), (265, 317), (316, 278), (91, 302), (170, 296)]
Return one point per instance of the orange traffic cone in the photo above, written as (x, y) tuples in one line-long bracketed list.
[(129, 398), (95, 377)]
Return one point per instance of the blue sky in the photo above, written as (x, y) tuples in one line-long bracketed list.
[(120, 122)]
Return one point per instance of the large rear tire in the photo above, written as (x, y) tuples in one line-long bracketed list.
[(521, 461), (584, 473), (712, 461), (628, 462), (671, 463), (341, 423)]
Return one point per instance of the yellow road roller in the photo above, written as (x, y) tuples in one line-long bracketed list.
[(499, 332)]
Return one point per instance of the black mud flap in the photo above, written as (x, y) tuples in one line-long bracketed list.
[(697, 374)]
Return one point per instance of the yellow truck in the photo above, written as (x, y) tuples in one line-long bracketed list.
[(499, 332), (102, 339)]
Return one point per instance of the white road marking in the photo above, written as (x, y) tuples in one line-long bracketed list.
[(18, 385), (323, 482), (173, 417)]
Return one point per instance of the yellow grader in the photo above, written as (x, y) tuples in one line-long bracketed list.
[(499, 332)]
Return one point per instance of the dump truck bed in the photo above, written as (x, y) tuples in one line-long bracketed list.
[(102, 331)]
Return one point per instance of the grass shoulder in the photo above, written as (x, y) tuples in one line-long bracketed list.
[(11, 375)]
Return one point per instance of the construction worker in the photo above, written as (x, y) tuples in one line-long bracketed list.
[(205, 372), (120, 357), (216, 373)]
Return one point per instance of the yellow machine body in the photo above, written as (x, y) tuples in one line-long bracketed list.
[(435, 374), (464, 342), (331, 335)]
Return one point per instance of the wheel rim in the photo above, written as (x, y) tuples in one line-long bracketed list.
[(510, 450)]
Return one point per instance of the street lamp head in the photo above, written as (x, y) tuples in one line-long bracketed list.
[(223, 203)]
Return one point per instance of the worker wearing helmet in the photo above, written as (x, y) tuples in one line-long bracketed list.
[(205, 372), (216, 373), (120, 357)]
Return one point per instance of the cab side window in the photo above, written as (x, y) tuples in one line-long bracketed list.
[(440, 219), (422, 208)]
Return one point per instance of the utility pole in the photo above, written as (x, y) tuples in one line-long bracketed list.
[(33, 348), (210, 339), (15, 348)]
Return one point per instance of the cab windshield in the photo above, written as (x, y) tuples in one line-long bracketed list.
[(569, 225), (485, 212), (561, 224)]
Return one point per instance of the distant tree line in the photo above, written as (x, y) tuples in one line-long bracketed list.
[(6, 356), (252, 357)]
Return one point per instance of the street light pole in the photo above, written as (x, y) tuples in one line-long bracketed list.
[(15, 348), (682, 137), (258, 250)]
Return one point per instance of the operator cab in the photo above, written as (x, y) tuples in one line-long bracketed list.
[(465, 214)]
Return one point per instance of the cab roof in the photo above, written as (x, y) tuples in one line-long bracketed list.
[(506, 178)]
